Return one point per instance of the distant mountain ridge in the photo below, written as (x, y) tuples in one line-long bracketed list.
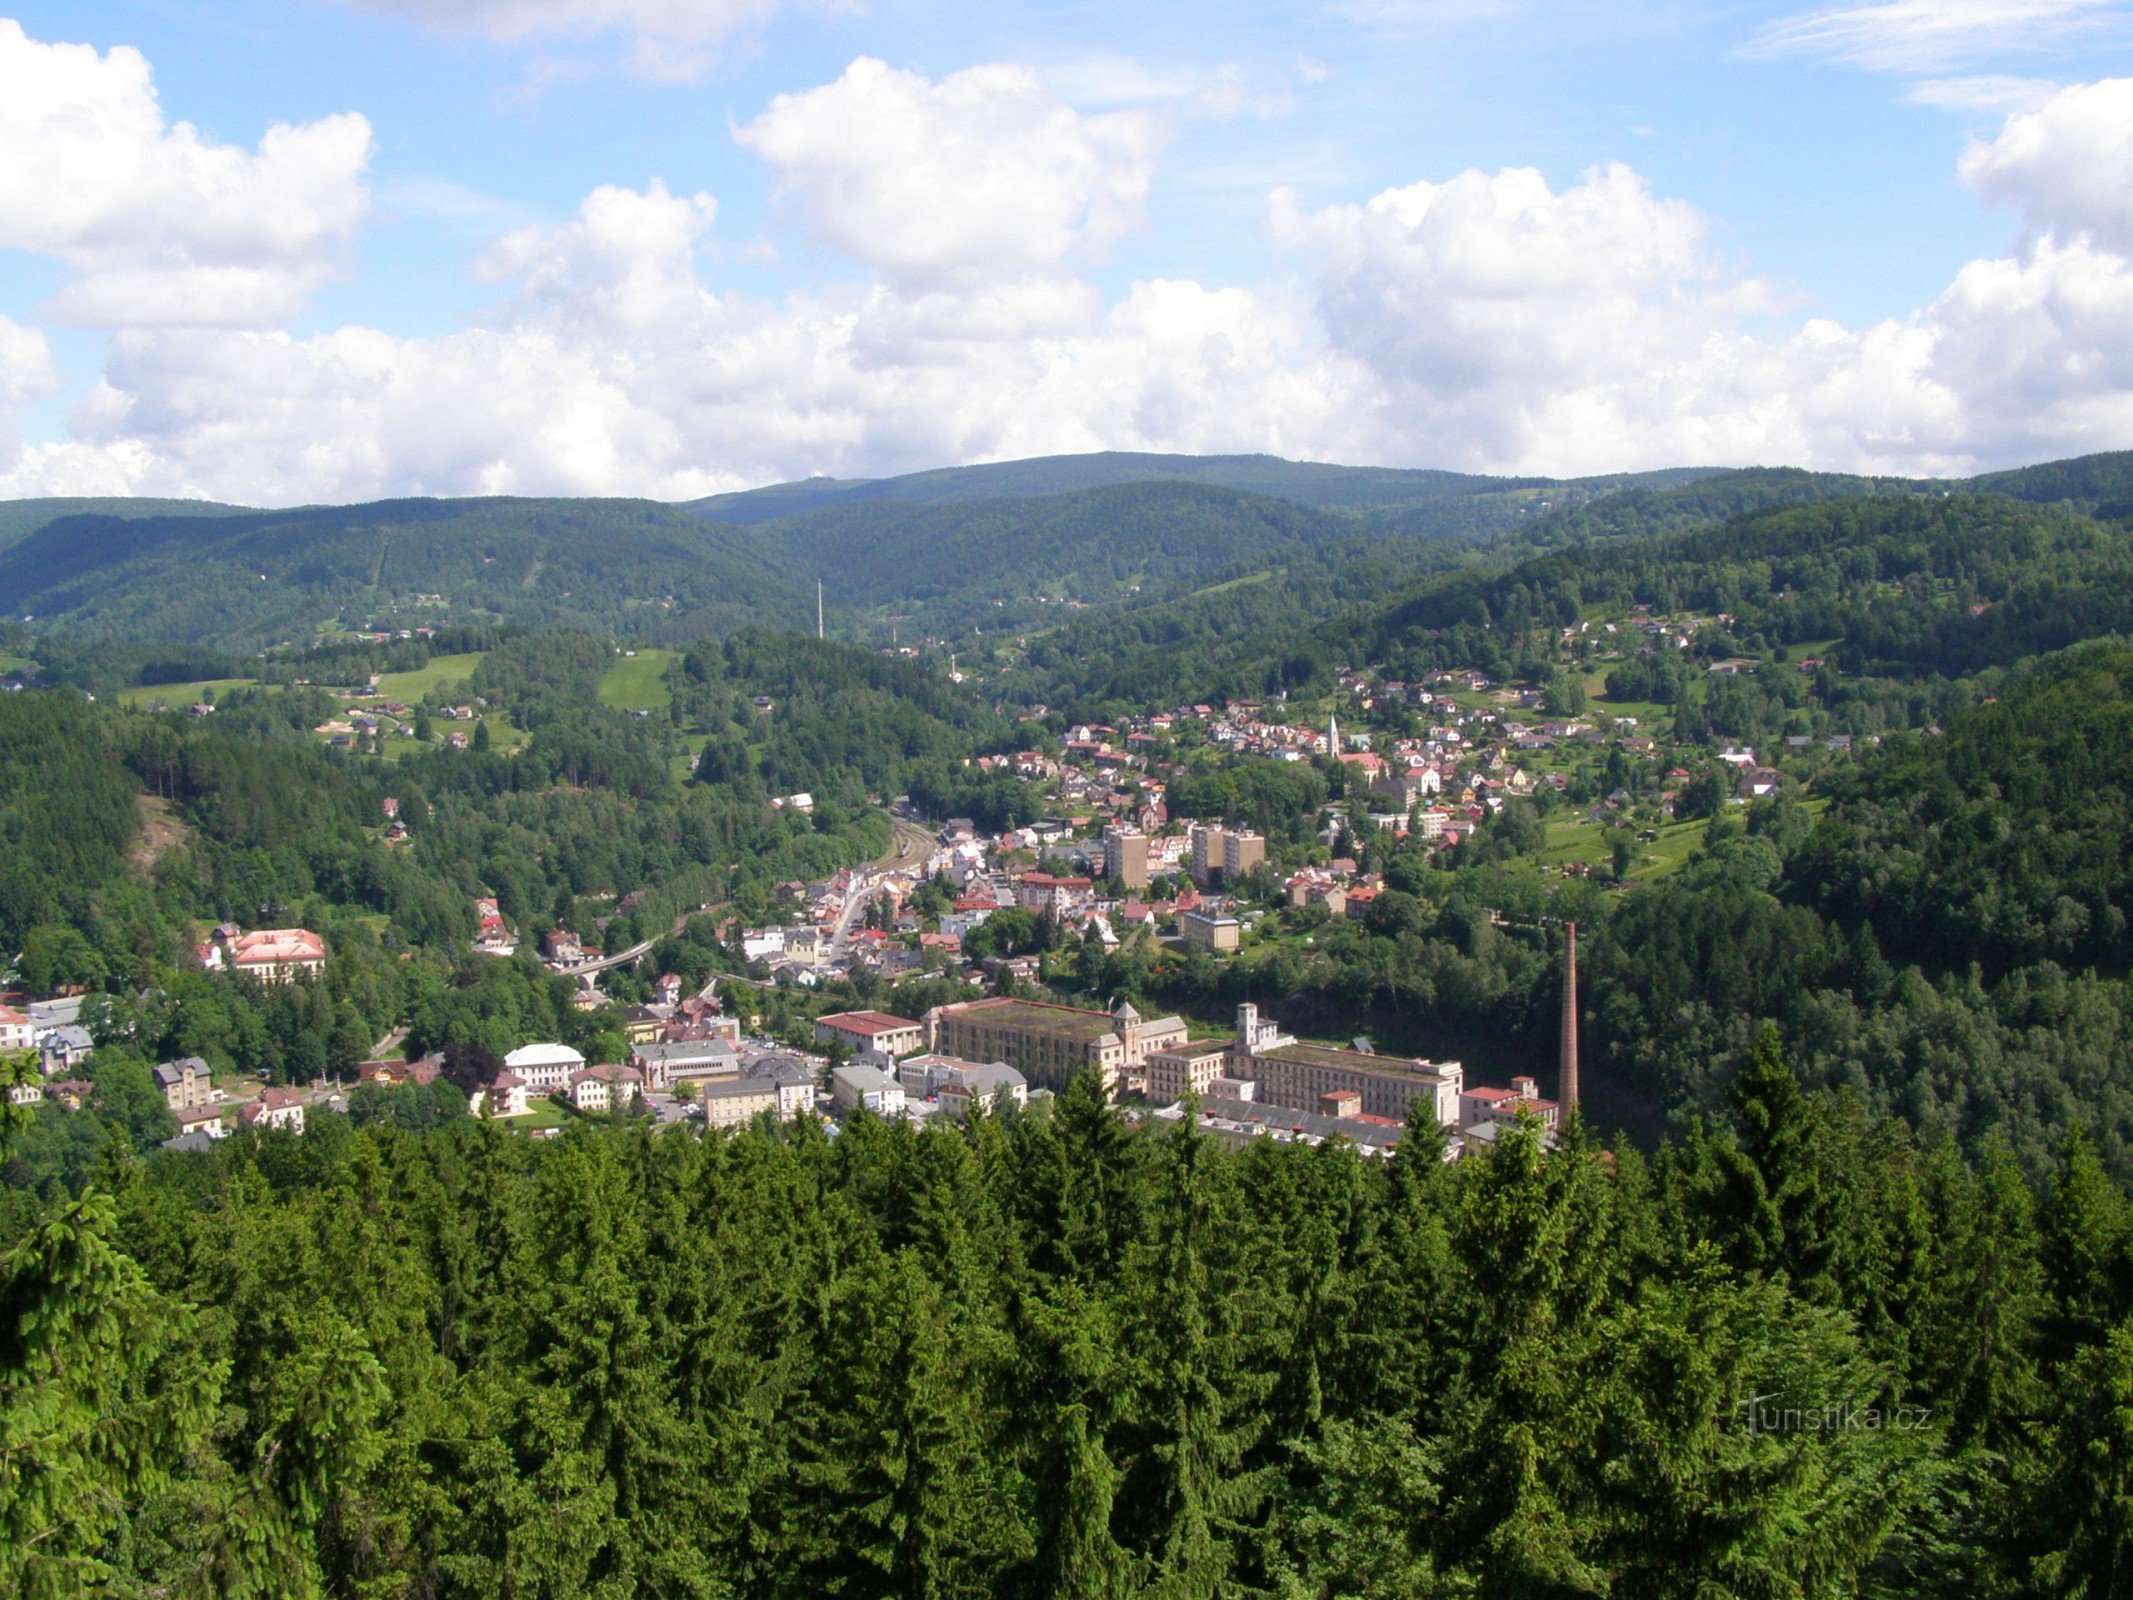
[(1319, 484), (1020, 546)]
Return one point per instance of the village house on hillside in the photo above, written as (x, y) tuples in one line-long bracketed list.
[(273, 955)]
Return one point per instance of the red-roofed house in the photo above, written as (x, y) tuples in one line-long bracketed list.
[(273, 955), (275, 1108)]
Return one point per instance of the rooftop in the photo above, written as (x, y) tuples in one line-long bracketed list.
[(869, 1022), (1326, 1055), (1034, 1016)]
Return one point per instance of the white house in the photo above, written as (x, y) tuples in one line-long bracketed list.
[(16, 1030), (275, 1108), (544, 1068), (855, 1086), (605, 1088)]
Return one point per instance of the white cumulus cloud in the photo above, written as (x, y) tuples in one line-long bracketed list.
[(2067, 166), (158, 224), (982, 173), (1490, 320)]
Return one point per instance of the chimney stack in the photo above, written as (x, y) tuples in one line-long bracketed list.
[(1567, 1061)]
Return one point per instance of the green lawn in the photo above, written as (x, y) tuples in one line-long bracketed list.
[(1677, 841), (638, 683), (543, 1113), (10, 663), (1570, 841), (175, 695), (409, 687)]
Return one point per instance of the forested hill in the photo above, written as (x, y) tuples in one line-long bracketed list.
[(1311, 483), (1016, 547), (21, 518), (2099, 483), (1895, 583), (256, 578), (997, 564)]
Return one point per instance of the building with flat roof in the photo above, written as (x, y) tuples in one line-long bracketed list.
[(1048, 1044), (1206, 855), (1285, 1072), (1210, 930), (1189, 1068), (1126, 857), (870, 1030), (1242, 850)]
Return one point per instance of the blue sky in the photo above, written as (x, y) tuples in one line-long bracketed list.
[(1794, 259)]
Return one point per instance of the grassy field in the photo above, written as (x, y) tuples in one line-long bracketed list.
[(542, 1113), (638, 683), (409, 687), (10, 663), (1677, 841), (1655, 858), (175, 695)]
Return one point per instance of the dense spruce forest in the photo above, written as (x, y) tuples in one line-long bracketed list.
[(1800, 1353), (1831, 1294)]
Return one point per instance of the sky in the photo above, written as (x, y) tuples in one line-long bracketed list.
[(302, 251)]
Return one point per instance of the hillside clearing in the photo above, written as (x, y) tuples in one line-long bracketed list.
[(638, 683)]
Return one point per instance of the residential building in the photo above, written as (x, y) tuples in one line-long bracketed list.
[(1126, 857), (1206, 855), (1041, 892), (798, 1078), (202, 1119), (393, 1074), (991, 1088), (272, 955), (1242, 850), (185, 1083), (862, 1086), (544, 1068), (1048, 1044), (644, 1024), (870, 1030), (63, 1049), (17, 1032), (502, 1096), (1210, 930), (605, 1088), (275, 1108), (738, 1101), (959, 1085)]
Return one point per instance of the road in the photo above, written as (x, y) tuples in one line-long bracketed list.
[(909, 847), (907, 852)]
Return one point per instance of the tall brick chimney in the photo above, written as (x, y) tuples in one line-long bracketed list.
[(1567, 1060)]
